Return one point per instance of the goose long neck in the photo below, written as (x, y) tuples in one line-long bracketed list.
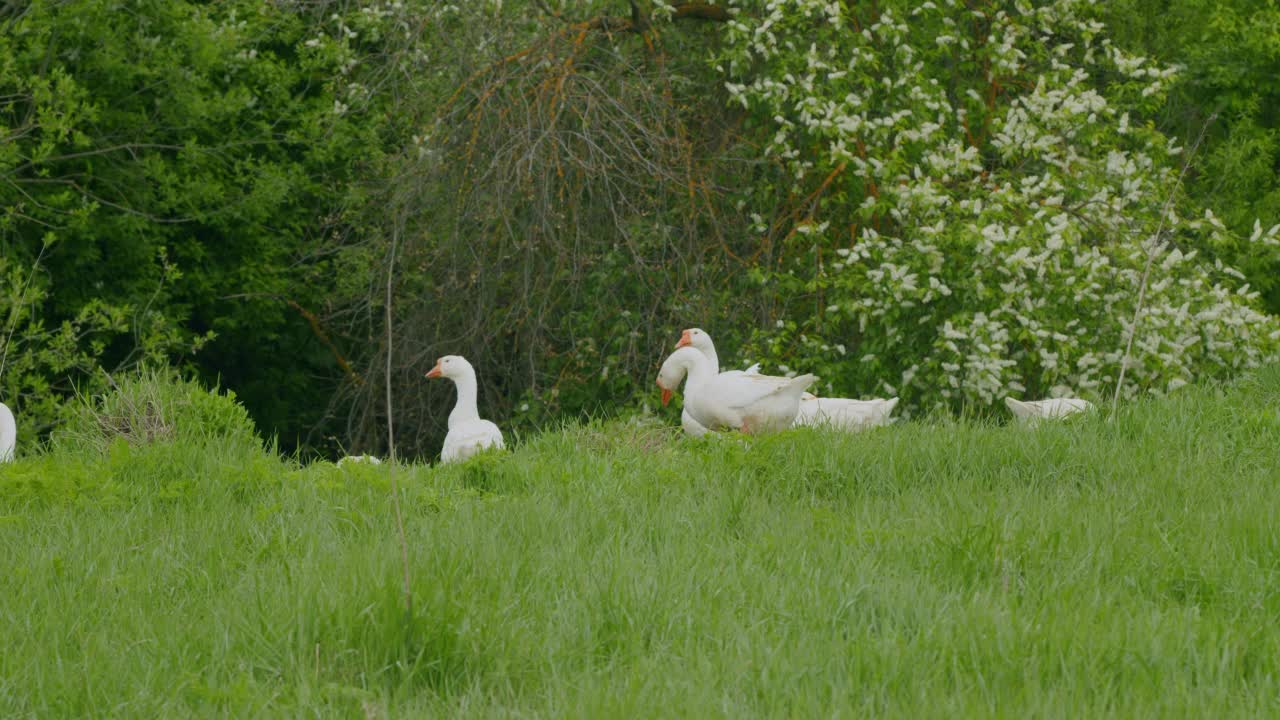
[(700, 367), (466, 408), (710, 352)]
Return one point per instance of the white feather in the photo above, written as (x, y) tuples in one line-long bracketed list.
[(8, 433), (1033, 411)]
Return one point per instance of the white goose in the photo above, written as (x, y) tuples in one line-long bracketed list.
[(674, 374), (1032, 411), (844, 414), (8, 433), (359, 459), (839, 413), (670, 375), (468, 433), (753, 404)]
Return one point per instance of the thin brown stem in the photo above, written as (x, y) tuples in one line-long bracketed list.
[(391, 434), (1151, 254)]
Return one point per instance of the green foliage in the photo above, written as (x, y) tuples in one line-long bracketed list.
[(157, 406), (217, 184), (1101, 567), (1229, 55), (174, 159), (971, 210), (555, 206), (44, 363)]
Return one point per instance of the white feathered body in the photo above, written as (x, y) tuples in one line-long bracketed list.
[(676, 375), (468, 437), (843, 413), (752, 403), (359, 459), (1031, 411), (691, 426), (8, 433)]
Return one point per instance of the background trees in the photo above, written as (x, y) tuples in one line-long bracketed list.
[(219, 184), (169, 163)]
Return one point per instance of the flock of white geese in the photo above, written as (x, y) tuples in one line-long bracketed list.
[(736, 400)]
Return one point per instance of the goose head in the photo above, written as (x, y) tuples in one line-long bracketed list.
[(696, 338), (666, 393), (670, 376), (684, 361), (450, 366)]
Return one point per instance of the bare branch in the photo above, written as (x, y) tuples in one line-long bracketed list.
[(1146, 271)]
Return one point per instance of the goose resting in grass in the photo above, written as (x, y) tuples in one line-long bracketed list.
[(8, 433), (674, 375), (1032, 411), (844, 414), (468, 433), (839, 413), (362, 459), (754, 404)]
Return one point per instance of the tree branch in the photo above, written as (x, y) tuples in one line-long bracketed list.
[(701, 11)]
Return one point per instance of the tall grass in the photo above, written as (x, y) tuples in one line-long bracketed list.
[(1091, 568)]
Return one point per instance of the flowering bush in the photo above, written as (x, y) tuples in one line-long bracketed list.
[(970, 206)]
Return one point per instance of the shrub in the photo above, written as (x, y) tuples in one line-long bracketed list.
[(157, 405), (40, 355), (969, 208)]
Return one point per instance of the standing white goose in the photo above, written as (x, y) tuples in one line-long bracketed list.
[(8, 433), (753, 404), (839, 413), (468, 433), (1032, 411)]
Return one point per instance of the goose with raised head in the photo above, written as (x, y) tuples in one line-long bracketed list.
[(754, 404), (674, 373), (1033, 411), (843, 413), (468, 433), (839, 413), (699, 340), (8, 433)]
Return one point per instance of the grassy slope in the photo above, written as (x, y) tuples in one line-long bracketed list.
[(1090, 569)]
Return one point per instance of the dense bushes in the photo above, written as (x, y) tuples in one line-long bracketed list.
[(155, 406), (982, 209), (168, 165), (151, 436), (1228, 52), (955, 200)]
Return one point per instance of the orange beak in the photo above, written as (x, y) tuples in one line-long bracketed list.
[(434, 372), (685, 340), (666, 394)]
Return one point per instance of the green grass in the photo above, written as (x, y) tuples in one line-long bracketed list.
[(1094, 568)]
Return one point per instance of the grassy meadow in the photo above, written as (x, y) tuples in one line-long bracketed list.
[(1125, 567)]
